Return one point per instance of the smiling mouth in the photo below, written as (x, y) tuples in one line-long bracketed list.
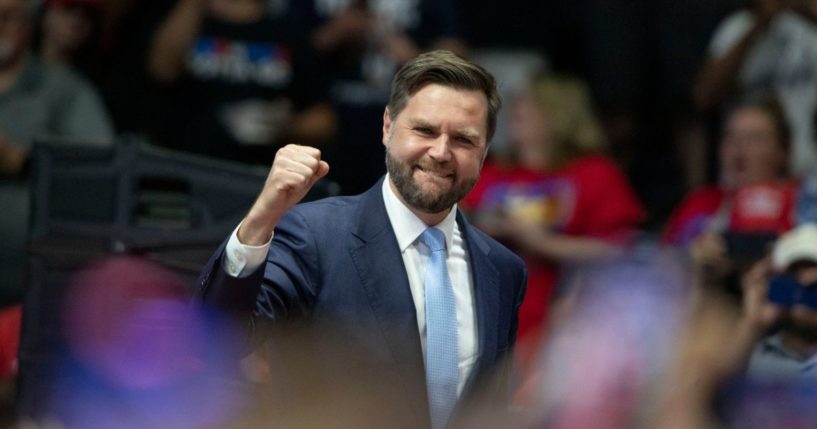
[(446, 175)]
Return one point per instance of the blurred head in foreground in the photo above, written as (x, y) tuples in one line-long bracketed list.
[(613, 338), (139, 354)]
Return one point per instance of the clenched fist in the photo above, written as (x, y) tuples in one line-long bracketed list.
[(294, 171)]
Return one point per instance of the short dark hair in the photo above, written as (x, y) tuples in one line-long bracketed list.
[(447, 69)]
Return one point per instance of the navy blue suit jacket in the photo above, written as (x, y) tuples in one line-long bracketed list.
[(337, 260)]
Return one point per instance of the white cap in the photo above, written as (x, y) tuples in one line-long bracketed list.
[(799, 244)]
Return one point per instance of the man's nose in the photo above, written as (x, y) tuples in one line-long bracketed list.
[(440, 148)]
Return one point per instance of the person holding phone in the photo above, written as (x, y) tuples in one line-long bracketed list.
[(780, 294)]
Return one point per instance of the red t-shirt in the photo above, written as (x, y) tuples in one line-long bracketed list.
[(590, 197), (693, 215), (10, 319), (746, 210)]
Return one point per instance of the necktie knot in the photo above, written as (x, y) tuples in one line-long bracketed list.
[(433, 238)]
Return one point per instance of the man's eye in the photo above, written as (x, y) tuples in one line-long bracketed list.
[(465, 140)]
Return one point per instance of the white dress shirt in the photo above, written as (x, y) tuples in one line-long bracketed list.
[(241, 260)]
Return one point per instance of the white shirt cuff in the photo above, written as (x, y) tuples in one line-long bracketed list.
[(240, 260)]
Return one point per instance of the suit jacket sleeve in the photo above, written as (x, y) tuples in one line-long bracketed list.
[(283, 288)]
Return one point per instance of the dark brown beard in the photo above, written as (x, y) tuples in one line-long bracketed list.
[(402, 176)]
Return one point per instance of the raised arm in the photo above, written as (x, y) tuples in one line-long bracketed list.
[(174, 38), (719, 75), (274, 290), (294, 171)]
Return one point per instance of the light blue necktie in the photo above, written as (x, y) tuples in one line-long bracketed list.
[(442, 347)]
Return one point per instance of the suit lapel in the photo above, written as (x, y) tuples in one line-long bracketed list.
[(379, 264), (486, 299)]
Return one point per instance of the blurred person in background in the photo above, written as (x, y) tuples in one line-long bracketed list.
[(365, 42), (561, 202), (108, 41), (771, 46), (69, 33), (37, 100), (751, 366), (780, 312), (239, 81), (785, 290), (728, 226)]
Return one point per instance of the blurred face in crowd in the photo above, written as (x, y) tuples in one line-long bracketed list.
[(14, 31), (530, 131), (750, 151), (69, 26), (435, 146)]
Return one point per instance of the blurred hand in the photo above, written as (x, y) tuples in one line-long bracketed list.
[(234, 10), (767, 10), (709, 253), (758, 312), (294, 171), (500, 224), (710, 349), (12, 158), (400, 48), (526, 233), (352, 25), (491, 222)]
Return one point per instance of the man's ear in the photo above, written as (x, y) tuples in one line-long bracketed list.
[(386, 126)]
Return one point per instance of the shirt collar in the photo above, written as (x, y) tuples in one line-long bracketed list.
[(407, 226)]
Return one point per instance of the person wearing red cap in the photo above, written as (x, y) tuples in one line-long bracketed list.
[(726, 226)]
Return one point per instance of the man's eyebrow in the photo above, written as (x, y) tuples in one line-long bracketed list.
[(468, 133), (418, 122)]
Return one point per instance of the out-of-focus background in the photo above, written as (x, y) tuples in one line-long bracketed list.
[(654, 164)]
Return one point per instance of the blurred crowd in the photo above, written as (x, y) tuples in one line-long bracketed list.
[(655, 165)]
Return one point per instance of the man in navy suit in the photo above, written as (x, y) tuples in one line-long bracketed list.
[(359, 264)]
